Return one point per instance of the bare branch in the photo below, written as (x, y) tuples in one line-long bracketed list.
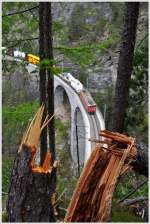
[(132, 192)]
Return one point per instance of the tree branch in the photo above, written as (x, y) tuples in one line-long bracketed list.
[(132, 192), (128, 202)]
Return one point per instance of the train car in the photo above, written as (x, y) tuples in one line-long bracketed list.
[(32, 59), (67, 77), (27, 57), (18, 54), (88, 102), (75, 83)]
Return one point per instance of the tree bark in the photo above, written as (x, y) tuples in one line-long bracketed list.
[(29, 198), (123, 81), (125, 66), (92, 198), (141, 163), (47, 83), (50, 77), (42, 73)]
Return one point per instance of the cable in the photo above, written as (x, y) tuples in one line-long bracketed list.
[(21, 40), (23, 11)]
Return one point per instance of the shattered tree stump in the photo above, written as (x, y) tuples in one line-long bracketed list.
[(92, 198), (31, 186)]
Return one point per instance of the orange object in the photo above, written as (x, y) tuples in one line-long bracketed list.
[(92, 198)]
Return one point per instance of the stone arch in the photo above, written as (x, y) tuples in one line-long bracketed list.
[(61, 98), (75, 103)]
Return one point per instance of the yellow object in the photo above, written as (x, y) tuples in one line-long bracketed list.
[(32, 59)]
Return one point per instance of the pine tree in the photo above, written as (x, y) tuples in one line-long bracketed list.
[(125, 65)]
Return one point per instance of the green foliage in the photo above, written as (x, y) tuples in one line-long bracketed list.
[(86, 54), (15, 120), (129, 183), (76, 24), (137, 113), (51, 66), (18, 25), (125, 185), (66, 179), (62, 129), (123, 214), (103, 101)]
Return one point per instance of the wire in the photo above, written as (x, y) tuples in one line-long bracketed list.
[(21, 40), (23, 11)]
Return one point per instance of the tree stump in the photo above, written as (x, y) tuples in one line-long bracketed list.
[(32, 186), (92, 198), (29, 198)]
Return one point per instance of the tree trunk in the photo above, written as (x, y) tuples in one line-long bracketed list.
[(92, 198), (42, 74), (123, 81), (125, 66), (50, 77), (141, 163), (30, 192)]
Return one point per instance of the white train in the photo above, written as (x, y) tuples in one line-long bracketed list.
[(85, 97), (75, 83)]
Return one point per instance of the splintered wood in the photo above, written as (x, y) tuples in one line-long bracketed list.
[(31, 139), (32, 186), (112, 157)]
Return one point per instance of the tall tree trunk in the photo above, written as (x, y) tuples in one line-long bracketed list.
[(125, 65), (50, 77), (48, 46), (123, 81), (42, 74)]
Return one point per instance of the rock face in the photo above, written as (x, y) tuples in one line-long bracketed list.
[(19, 86), (75, 24)]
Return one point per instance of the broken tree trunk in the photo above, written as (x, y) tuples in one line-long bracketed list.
[(92, 198), (32, 186)]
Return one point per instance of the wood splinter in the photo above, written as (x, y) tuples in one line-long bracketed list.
[(92, 198), (32, 185)]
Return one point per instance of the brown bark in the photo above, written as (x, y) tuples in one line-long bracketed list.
[(141, 163), (42, 73), (50, 77), (47, 83), (125, 65), (123, 81)]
